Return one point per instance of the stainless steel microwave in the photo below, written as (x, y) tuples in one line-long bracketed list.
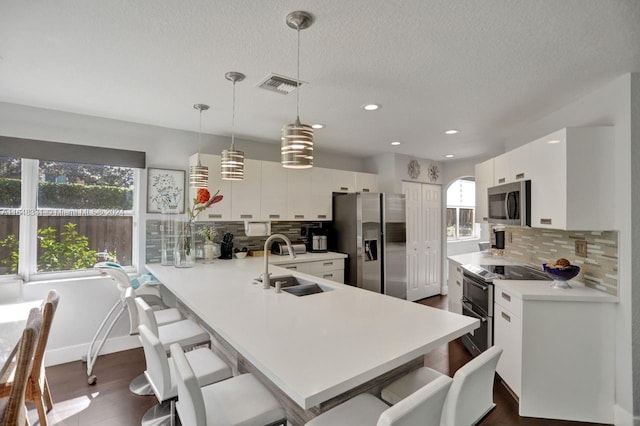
[(510, 204)]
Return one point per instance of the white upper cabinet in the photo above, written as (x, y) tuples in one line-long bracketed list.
[(484, 180), (513, 165), (501, 169), (572, 182), (366, 182), (321, 193), (245, 204), (343, 181), (221, 210), (299, 194), (273, 201)]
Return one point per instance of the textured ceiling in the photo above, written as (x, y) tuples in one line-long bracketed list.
[(477, 66)]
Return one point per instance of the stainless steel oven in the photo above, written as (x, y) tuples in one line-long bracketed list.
[(477, 302), (477, 298)]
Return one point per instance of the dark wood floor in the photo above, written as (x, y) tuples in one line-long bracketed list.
[(109, 402)]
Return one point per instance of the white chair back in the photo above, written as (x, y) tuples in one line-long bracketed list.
[(190, 405), (471, 394), (146, 316), (158, 372), (132, 309), (423, 407)]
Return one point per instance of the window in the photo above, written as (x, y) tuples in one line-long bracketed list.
[(72, 215), (461, 197)]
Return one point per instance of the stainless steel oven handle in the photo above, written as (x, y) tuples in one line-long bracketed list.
[(473, 314), (472, 282), (506, 206)]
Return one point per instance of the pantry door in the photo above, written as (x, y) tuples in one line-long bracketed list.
[(423, 206)]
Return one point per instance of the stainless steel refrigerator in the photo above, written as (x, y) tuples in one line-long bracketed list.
[(371, 229)]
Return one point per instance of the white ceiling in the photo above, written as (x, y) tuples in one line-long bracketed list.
[(478, 66)]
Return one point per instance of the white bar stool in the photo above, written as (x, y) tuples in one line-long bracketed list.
[(241, 400), (423, 407), (139, 385), (470, 397), (161, 375), (185, 332)]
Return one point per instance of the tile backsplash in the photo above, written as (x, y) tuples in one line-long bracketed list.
[(290, 229), (535, 246)]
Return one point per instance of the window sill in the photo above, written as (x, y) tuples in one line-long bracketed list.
[(73, 275), (463, 240)]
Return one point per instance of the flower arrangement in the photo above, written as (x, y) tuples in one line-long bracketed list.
[(208, 232), (202, 200)]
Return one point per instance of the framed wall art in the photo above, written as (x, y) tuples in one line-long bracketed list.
[(165, 190)]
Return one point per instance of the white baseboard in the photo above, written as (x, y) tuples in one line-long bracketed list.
[(622, 417), (76, 353)]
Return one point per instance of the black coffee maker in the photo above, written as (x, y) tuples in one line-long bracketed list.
[(498, 234), (315, 238)]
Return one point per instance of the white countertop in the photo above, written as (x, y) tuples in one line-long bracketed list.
[(306, 257), (542, 290), (482, 258), (313, 347)]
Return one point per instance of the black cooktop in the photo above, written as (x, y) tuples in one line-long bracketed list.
[(505, 272)]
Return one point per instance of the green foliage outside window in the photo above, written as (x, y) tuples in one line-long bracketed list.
[(68, 252)]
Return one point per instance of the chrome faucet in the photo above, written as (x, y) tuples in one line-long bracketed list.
[(266, 283)]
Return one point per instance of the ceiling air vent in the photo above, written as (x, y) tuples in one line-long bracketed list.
[(280, 84)]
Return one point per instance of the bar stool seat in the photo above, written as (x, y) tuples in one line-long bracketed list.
[(423, 407), (162, 376), (241, 400)]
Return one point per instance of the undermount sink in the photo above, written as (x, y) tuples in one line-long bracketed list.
[(298, 286)]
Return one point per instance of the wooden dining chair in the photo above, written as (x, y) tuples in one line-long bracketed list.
[(37, 390), (12, 409)]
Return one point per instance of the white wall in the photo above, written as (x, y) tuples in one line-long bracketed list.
[(85, 302), (611, 106)]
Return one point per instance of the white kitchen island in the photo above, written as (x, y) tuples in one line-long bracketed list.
[(313, 348)]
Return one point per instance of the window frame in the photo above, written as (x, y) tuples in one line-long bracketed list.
[(28, 236)]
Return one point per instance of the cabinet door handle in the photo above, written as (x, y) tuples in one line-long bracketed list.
[(215, 216), (505, 316), (274, 216), (502, 180), (458, 269), (298, 216), (545, 221), (506, 297), (327, 276), (344, 188), (365, 189), (520, 176), (485, 219), (246, 216), (327, 264), (458, 282), (291, 267), (322, 216)]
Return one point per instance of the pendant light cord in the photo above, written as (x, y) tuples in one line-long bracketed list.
[(200, 137), (233, 117), (298, 77)]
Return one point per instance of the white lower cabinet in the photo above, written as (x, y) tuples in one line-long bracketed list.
[(558, 355), (330, 269), (455, 287)]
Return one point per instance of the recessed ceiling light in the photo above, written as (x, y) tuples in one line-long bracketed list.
[(554, 141), (318, 126), (452, 132), (395, 143), (449, 156), (371, 107)]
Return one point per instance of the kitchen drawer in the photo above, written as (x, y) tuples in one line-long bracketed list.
[(507, 333), (508, 300), (336, 276), (298, 267), (325, 265)]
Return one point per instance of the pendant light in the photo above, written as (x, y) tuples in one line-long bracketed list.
[(232, 164), (199, 174), (297, 139)]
